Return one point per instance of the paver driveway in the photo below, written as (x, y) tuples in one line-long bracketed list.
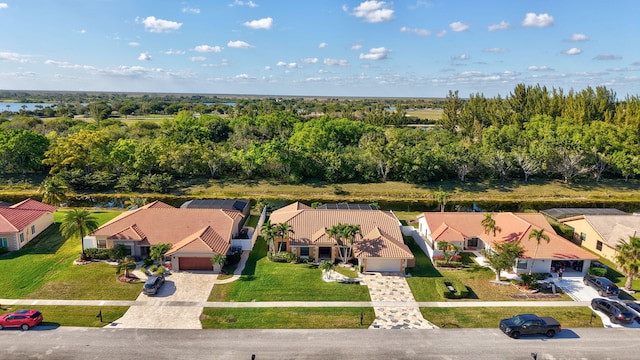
[(166, 309)]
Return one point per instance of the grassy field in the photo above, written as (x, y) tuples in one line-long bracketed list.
[(571, 317), (430, 114), (75, 315), (287, 318), (44, 269), (263, 280)]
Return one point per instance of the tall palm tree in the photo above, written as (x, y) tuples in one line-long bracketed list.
[(77, 223), (268, 232), (53, 190), (628, 259), (336, 232), (218, 259), (282, 231), (539, 235), (441, 197), (351, 233), (490, 227)]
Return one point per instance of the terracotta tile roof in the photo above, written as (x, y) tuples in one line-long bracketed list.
[(161, 223), (205, 240), (16, 218), (456, 226), (380, 229)]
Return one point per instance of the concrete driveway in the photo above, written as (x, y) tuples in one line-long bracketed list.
[(178, 304)]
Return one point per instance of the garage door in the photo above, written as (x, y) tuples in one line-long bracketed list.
[(384, 265), (195, 263)]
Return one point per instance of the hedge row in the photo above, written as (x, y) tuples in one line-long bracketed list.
[(460, 292)]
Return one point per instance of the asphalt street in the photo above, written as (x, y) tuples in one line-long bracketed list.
[(104, 343)]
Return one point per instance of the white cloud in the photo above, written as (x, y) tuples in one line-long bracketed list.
[(373, 11), (458, 26), (502, 25), (537, 20), (10, 56), (356, 47), (441, 33), (144, 57), (287, 65), (322, 45), (264, 23), (133, 43), (158, 25), (243, 3), (379, 53), (335, 62), (572, 51), (66, 65), (421, 32), (461, 57), (578, 37), (174, 52), (309, 60), (244, 77), (198, 58), (191, 10), (239, 44), (207, 49), (83, 31), (540, 68), (607, 57), (4, 5), (495, 50)]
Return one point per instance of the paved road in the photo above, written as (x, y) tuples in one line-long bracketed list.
[(82, 343)]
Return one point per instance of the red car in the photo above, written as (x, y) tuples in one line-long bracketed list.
[(23, 319)]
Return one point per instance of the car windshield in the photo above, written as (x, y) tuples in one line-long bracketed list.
[(517, 320)]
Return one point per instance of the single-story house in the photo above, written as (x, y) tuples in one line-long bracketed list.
[(22, 222), (244, 206), (196, 234), (380, 248), (465, 230), (602, 233)]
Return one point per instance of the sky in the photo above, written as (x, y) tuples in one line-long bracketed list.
[(403, 48)]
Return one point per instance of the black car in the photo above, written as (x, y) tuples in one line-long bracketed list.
[(152, 284), (634, 307), (617, 313), (604, 286)]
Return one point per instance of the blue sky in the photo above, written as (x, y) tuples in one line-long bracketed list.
[(412, 48)]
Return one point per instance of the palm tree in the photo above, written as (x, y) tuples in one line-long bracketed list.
[(538, 235), (490, 227), (268, 232), (135, 202), (337, 232), (78, 223), (327, 267), (126, 264), (156, 252), (218, 259), (282, 231), (628, 259), (53, 190), (441, 197), (350, 233)]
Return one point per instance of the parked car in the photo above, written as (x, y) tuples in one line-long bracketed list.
[(617, 313), (604, 286), (634, 307), (599, 265), (528, 324), (24, 319), (153, 283)]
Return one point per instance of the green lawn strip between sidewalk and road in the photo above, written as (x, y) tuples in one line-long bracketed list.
[(74, 315), (489, 317), (287, 318), (263, 280)]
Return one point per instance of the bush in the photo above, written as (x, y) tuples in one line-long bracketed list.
[(233, 258), (4, 249), (153, 269), (460, 292), (284, 257), (159, 270), (451, 264), (597, 271), (100, 254), (118, 252), (147, 261)]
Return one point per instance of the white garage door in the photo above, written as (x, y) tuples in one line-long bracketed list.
[(384, 265)]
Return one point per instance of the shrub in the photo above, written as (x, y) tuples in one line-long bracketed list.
[(233, 258), (153, 269), (282, 257), (451, 264), (442, 286), (4, 249), (118, 252), (597, 271), (100, 254), (147, 261), (159, 270)]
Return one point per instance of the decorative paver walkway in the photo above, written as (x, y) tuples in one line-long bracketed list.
[(404, 313)]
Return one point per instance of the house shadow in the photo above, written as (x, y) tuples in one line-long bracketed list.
[(47, 242)]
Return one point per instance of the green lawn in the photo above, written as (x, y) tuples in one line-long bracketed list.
[(263, 280), (44, 269), (75, 315), (287, 318), (489, 317)]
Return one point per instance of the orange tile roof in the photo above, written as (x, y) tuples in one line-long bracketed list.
[(456, 226), (381, 236), (16, 218), (205, 240)]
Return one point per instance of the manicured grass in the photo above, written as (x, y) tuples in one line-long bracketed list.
[(287, 318), (346, 272), (263, 280), (489, 317), (75, 315), (48, 259)]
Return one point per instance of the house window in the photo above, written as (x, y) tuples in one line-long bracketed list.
[(583, 236), (304, 251), (522, 264), (599, 246), (21, 238), (4, 242), (473, 242), (102, 244), (282, 246), (33, 229), (129, 250)]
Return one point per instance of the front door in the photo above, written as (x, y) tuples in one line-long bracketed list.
[(324, 253)]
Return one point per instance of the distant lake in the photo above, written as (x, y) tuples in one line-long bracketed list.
[(223, 103), (17, 106)]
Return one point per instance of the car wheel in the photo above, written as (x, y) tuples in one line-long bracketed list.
[(613, 319), (515, 334), (24, 327), (1, 327), (585, 282), (594, 307), (551, 333), (600, 292)]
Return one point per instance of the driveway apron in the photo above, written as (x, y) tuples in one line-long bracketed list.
[(177, 305), (393, 303)]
